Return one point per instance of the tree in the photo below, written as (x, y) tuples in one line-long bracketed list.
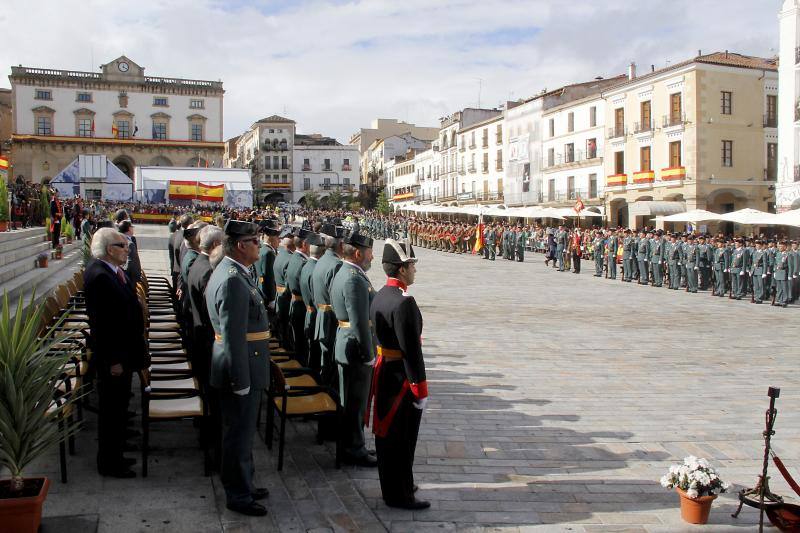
[(382, 205), (335, 200), (354, 204), (4, 214), (312, 200)]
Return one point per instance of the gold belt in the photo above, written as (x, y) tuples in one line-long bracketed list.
[(251, 337), (325, 307), (297, 298), (280, 288), (346, 324), (310, 308), (390, 354)]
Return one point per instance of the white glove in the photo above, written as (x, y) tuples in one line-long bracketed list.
[(741, 273), (645, 261), (271, 305), (763, 275), (421, 404), (371, 362), (696, 268), (242, 392)]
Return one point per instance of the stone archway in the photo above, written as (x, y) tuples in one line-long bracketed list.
[(197, 162), (125, 164), (161, 161), (618, 213), (274, 198)]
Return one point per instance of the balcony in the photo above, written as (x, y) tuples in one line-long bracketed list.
[(471, 169), (644, 127), (485, 168), (770, 121), (499, 167), (771, 172), (673, 173), (485, 142), (327, 168), (669, 121), (489, 196), (617, 132), (461, 171), (462, 148), (644, 176), (306, 168), (472, 146), (282, 186), (617, 180), (346, 167), (577, 158)]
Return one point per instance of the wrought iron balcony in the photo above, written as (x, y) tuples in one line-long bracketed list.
[(616, 132), (674, 120), (643, 127), (770, 121)]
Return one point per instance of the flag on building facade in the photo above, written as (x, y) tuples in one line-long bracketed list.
[(579, 205), (114, 130)]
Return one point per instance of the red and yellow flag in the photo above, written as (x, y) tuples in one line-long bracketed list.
[(3, 163), (194, 190), (211, 193), (114, 130), (478, 237)]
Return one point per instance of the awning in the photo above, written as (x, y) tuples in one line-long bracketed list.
[(655, 208)]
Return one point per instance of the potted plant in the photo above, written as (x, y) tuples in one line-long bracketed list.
[(4, 213), (31, 414), (697, 484), (58, 253), (67, 230), (41, 260)]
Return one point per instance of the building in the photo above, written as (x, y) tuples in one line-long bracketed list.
[(699, 134), (381, 151), (286, 166), (406, 176), (787, 189), (522, 149), (573, 138), (5, 121), (480, 161), (119, 112), (380, 129)]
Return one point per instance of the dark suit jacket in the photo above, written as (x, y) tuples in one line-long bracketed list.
[(115, 319), (176, 239), (134, 268), (199, 273)]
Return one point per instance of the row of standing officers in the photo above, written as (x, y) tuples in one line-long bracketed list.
[(310, 290)]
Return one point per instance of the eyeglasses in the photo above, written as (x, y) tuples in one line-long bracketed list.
[(120, 244)]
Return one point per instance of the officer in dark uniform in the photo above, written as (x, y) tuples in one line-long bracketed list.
[(321, 280), (239, 362), (297, 309), (400, 387), (176, 245), (316, 247), (265, 267), (351, 295), (284, 296)]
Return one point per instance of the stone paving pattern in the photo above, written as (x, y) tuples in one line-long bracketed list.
[(557, 402)]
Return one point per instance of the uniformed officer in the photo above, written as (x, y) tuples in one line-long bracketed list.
[(520, 238), (643, 256), (316, 247), (489, 243), (738, 270), (720, 265), (239, 362), (656, 253), (692, 258), (598, 252), (400, 386), (612, 245), (284, 297), (705, 255), (758, 272), (561, 246), (781, 275), (265, 267), (297, 308), (351, 294), (321, 279), (627, 256), (674, 258)]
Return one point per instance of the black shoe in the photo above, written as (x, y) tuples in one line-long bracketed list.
[(368, 461), (415, 488), (758, 302), (413, 505), (120, 472), (250, 509), (260, 493)]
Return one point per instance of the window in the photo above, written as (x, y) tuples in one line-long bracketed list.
[(552, 126), (84, 127), (592, 185), (284, 178), (472, 163), (83, 97), (593, 116), (591, 148), (196, 103), (499, 134), (197, 132), (571, 187), (326, 183), (306, 184), (327, 164), (485, 162), (346, 183), (306, 164), (346, 162), (42, 94), (499, 163), (772, 111), (44, 126), (675, 109), (284, 162), (772, 161), (570, 122), (619, 162), (644, 159), (551, 190), (123, 129), (551, 157), (160, 131), (569, 153), (472, 139), (275, 162), (267, 165), (160, 101), (485, 137), (727, 153), (727, 102), (619, 122), (645, 116), (675, 154)]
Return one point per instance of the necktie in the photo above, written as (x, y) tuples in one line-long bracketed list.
[(121, 277)]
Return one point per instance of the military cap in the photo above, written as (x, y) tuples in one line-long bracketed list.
[(189, 233), (627, 231), (269, 226), (302, 233), (332, 230), (315, 239), (236, 228), (286, 231), (398, 253), (356, 239)]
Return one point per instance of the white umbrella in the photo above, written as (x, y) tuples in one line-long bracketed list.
[(748, 217), (695, 215), (788, 218)]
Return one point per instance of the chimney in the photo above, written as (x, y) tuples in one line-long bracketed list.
[(652, 68), (699, 52), (631, 70)]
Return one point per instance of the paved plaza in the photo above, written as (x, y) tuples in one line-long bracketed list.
[(556, 403)]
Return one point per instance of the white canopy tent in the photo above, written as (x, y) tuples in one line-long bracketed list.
[(748, 217), (152, 183), (788, 218), (695, 215)]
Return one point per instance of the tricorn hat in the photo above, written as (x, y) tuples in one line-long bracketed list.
[(238, 228), (356, 239), (286, 231), (315, 239), (398, 253), (270, 227), (332, 230)]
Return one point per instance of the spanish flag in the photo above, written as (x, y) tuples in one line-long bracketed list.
[(478, 237), (211, 193), (194, 190), (114, 130), (3, 163)]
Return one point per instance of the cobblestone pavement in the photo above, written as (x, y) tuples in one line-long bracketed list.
[(557, 402)]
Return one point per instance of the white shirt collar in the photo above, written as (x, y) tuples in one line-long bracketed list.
[(301, 253), (231, 259), (113, 268)]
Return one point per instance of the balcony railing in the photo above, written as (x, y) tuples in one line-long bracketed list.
[(499, 166), (485, 168), (489, 196), (346, 167), (462, 148), (771, 173), (306, 168), (673, 120), (472, 146), (461, 171), (327, 169), (616, 132), (485, 142), (770, 121), (643, 127), (578, 156)]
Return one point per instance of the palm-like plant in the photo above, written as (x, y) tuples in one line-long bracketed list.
[(31, 367)]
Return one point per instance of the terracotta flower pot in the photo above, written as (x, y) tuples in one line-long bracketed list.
[(695, 510), (3, 225), (23, 515)]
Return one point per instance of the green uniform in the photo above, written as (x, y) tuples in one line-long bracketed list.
[(738, 270), (781, 276), (720, 265), (325, 324), (239, 369), (297, 309), (758, 273), (284, 296), (351, 295), (310, 321), (521, 239)]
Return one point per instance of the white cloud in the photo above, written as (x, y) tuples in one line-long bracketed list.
[(333, 66)]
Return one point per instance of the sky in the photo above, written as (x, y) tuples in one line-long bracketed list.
[(333, 66)]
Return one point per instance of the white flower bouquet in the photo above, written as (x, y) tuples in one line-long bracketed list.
[(695, 477)]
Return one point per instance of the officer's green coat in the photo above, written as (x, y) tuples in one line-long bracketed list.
[(307, 293), (266, 273), (235, 307), (283, 299), (351, 295), (188, 261), (321, 279)]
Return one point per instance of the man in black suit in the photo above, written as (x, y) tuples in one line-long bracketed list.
[(117, 342), (134, 266), (176, 244), (56, 212)]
